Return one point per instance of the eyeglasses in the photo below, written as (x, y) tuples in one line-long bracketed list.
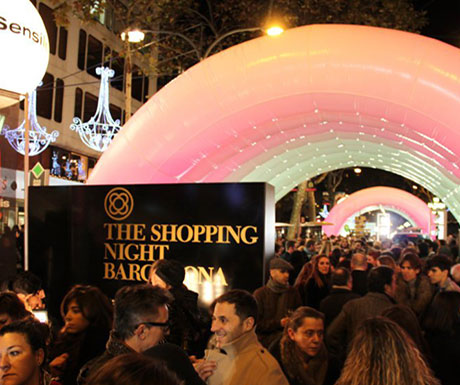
[(163, 325)]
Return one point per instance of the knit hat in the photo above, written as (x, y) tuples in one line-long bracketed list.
[(170, 271), (281, 264)]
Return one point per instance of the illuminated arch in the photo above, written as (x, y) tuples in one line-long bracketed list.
[(400, 201), (284, 109)]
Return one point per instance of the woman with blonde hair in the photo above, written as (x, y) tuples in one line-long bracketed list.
[(383, 354)]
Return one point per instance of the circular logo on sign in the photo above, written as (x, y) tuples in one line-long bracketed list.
[(118, 203)]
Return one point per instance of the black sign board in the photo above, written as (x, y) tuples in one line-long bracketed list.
[(109, 236)]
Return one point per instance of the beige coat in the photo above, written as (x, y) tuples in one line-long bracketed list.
[(245, 362)]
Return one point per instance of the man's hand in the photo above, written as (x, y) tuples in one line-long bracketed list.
[(204, 368)]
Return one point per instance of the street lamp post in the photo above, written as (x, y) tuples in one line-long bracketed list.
[(136, 36)]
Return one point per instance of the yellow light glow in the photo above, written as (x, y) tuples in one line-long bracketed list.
[(274, 30), (134, 36)]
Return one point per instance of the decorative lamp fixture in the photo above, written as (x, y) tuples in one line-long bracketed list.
[(23, 36), (38, 138), (100, 130)]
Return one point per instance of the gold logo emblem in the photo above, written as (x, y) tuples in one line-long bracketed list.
[(118, 203)]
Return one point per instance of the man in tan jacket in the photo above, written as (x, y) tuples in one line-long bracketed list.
[(238, 358)]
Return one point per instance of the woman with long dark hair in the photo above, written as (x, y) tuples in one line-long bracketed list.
[(317, 286), (88, 314)]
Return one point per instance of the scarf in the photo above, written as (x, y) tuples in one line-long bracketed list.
[(276, 286)]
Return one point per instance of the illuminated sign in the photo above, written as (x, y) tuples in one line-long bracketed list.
[(23, 36), (109, 236)]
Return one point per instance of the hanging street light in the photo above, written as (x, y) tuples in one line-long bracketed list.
[(100, 130)]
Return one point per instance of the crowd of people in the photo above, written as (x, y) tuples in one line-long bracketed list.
[(339, 311)]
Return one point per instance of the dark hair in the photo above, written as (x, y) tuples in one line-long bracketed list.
[(11, 305), (386, 260), (423, 249), (134, 303), (37, 334), (310, 243), (297, 317), (443, 312), (340, 276), (405, 317), (133, 369), (413, 260), (396, 252), (378, 277), (26, 283), (93, 303), (245, 303), (289, 244), (440, 261)]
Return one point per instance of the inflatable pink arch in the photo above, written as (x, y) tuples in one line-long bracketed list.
[(406, 204), (285, 109)]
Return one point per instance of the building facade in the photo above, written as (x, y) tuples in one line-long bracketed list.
[(70, 89)]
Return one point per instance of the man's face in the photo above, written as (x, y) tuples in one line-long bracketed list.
[(408, 272), (226, 324), (154, 334), (437, 276), (280, 276), (309, 336)]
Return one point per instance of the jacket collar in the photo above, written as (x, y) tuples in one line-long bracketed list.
[(241, 343)]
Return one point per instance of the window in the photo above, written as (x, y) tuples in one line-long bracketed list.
[(107, 56), (118, 64), (58, 100), (90, 106), (78, 102), (94, 56), (45, 96), (62, 51), (115, 111), (48, 18), (81, 49)]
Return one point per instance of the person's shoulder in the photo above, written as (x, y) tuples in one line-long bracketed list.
[(91, 367), (265, 357)]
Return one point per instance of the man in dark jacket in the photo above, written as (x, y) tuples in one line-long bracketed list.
[(382, 286), (274, 301), (140, 322), (340, 294), (359, 273)]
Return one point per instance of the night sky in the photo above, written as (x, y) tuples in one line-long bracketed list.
[(443, 20)]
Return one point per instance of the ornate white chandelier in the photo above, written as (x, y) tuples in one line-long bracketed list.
[(39, 139), (100, 130)]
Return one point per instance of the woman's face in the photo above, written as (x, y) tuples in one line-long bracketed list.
[(19, 365), (323, 265), (408, 272), (75, 321)]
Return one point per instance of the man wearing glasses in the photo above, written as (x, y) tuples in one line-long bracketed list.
[(140, 322)]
